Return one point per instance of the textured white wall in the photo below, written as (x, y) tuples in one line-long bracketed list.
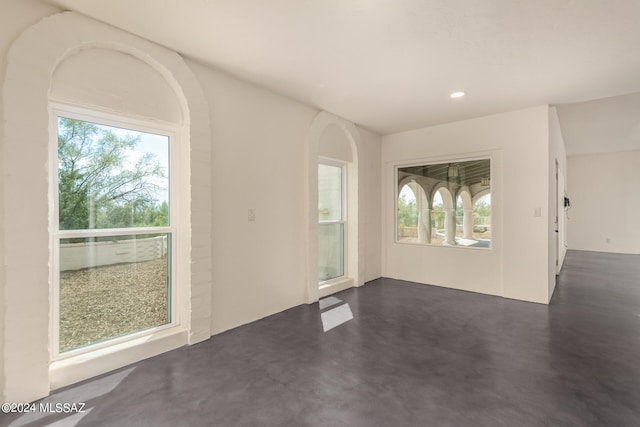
[(517, 264), (15, 15), (605, 202), (117, 82)]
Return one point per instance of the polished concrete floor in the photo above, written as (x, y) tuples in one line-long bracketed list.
[(399, 354)]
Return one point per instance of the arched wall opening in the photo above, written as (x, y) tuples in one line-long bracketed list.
[(33, 58), (335, 141)]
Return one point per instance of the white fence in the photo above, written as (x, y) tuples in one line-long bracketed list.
[(74, 256)]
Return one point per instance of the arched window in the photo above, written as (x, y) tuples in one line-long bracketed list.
[(335, 227), (115, 180)]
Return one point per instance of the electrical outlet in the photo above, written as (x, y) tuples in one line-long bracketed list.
[(251, 215)]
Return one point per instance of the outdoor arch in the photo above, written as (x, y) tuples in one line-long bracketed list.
[(479, 195), (32, 59), (423, 210), (326, 122)]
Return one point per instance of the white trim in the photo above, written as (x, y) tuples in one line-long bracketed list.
[(336, 285), (81, 366)]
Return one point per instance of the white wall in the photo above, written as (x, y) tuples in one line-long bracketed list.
[(257, 157), (372, 174), (605, 202), (517, 264), (557, 241)]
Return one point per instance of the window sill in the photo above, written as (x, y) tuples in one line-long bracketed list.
[(336, 285), (86, 365)]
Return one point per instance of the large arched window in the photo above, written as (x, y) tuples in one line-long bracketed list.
[(68, 58)]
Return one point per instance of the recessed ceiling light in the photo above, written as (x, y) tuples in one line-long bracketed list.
[(457, 94)]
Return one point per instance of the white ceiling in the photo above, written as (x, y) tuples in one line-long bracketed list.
[(601, 126), (390, 65)]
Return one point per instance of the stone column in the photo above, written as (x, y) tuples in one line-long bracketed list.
[(424, 225), (467, 223), (449, 226)]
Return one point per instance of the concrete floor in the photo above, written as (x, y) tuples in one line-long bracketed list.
[(412, 355)]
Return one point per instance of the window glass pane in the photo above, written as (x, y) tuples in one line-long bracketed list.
[(445, 204), (482, 218), (113, 286), (329, 193), (110, 177), (330, 251), (407, 215)]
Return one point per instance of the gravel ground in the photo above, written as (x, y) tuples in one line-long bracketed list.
[(100, 303)]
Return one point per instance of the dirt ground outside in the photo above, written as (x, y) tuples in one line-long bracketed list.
[(101, 303)]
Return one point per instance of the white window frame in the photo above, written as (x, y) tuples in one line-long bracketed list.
[(343, 220), (176, 325)]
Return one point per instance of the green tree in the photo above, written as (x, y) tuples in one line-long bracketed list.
[(407, 212), (482, 208), (95, 187), (481, 212)]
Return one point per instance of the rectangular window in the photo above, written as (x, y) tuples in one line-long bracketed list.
[(447, 204), (331, 221), (113, 238)]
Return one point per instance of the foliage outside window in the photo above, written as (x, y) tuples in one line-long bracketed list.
[(445, 204), (114, 235)]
